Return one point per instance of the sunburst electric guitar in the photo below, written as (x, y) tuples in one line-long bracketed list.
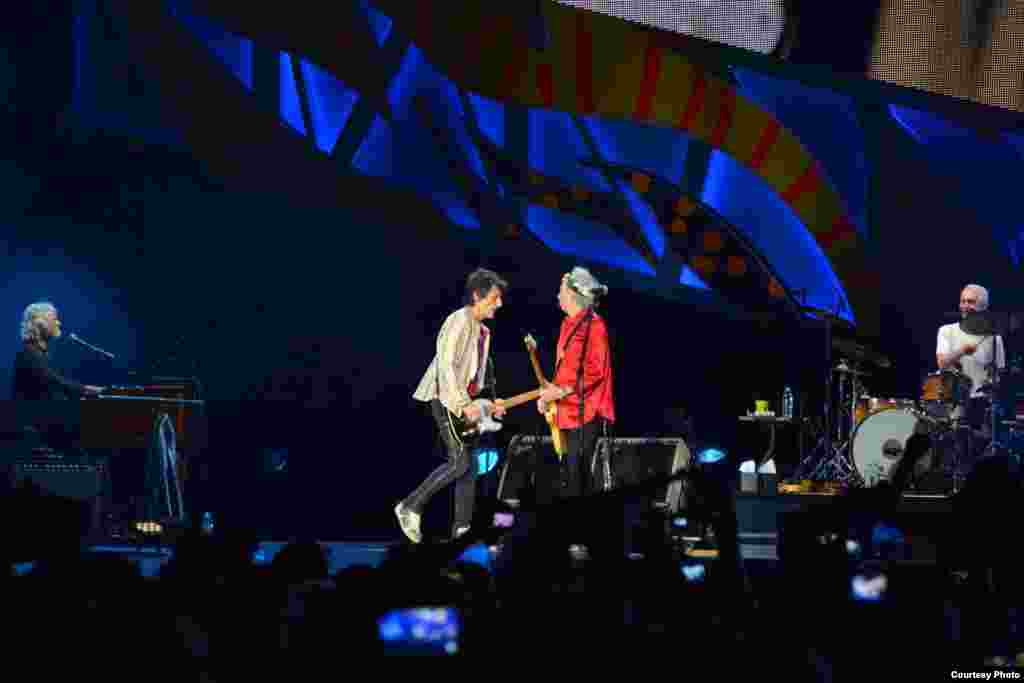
[(551, 414), (466, 431)]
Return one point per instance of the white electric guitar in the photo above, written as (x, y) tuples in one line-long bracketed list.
[(465, 431)]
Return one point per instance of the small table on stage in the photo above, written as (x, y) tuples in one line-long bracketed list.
[(772, 421)]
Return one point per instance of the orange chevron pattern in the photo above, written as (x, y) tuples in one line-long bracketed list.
[(596, 64)]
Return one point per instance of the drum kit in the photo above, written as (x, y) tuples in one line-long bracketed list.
[(906, 441)]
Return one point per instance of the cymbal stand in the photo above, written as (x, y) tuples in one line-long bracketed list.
[(832, 464), (849, 401), (836, 464), (993, 405), (962, 451)]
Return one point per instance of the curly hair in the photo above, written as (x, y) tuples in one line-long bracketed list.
[(30, 329)]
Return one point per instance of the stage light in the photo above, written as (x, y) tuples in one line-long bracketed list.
[(149, 527), (479, 554), (486, 459), (710, 456), (883, 534), (693, 572)]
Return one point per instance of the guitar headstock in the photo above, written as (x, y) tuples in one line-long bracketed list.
[(531, 347)]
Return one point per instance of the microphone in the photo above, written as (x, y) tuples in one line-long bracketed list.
[(78, 340)]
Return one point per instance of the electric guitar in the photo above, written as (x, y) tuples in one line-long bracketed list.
[(466, 431), (551, 414)]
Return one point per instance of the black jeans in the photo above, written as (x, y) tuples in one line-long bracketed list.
[(458, 468), (577, 473)]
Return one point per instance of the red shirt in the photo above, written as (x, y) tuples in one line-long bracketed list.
[(597, 371)]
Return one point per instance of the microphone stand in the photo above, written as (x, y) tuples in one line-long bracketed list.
[(95, 349)]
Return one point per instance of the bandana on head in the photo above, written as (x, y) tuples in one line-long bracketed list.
[(582, 282)]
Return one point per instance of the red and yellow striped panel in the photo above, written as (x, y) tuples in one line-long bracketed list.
[(596, 64)]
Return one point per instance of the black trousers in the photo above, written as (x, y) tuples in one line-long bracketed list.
[(458, 469), (577, 472)]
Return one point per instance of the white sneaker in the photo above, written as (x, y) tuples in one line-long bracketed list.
[(461, 531), (410, 523)]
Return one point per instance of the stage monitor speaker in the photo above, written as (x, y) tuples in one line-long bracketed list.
[(526, 456), (531, 460), (75, 479), (72, 479), (634, 461)]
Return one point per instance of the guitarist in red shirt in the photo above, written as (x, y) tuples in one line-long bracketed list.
[(582, 388)]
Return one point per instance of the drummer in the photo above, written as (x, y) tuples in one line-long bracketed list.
[(971, 354)]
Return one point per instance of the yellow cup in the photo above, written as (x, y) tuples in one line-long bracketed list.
[(760, 407)]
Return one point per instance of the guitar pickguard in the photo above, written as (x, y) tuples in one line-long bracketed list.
[(464, 431)]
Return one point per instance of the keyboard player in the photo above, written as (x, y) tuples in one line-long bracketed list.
[(34, 379)]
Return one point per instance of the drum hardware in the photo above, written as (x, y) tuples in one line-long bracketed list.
[(993, 410), (844, 370), (839, 466), (827, 460), (1015, 437), (996, 326)]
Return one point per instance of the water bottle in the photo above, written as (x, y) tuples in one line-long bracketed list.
[(787, 403)]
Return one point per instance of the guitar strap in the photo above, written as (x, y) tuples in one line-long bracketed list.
[(568, 339)]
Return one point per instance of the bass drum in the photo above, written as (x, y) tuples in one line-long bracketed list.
[(881, 439)]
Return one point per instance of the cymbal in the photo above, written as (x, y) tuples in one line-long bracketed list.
[(845, 369), (860, 352), (826, 315), (987, 323)]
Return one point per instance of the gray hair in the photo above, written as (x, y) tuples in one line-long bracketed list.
[(31, 330), (982, 295), (585, 287)]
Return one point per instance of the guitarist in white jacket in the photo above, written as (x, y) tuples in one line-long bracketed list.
[(455, 376)]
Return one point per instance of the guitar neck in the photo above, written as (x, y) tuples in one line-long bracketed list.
[(536, 364), (520, 399)]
